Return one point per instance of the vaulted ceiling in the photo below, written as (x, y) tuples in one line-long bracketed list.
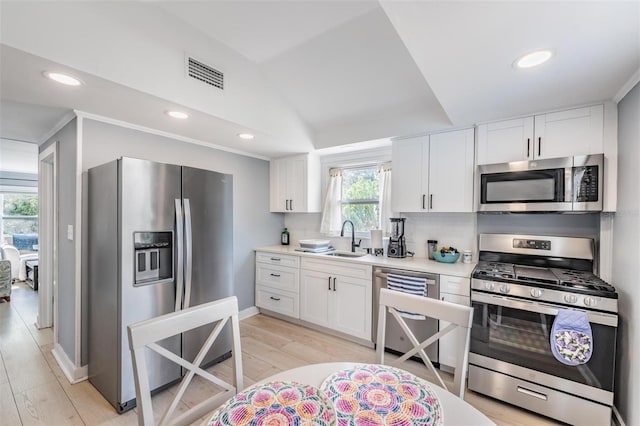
[(310, 74)]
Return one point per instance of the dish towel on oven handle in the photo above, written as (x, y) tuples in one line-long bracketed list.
[(409, 285), (571, 337)]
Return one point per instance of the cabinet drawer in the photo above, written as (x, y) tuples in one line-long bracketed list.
[(277, 301), (280, 277), (455, 285), (277, 259), (337, 268)]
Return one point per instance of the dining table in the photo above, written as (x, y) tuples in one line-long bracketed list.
[(455, 411)]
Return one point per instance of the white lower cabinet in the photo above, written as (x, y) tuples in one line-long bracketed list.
[(454, 290), (335, 300), (277, 283), (282, 302), (314, 297)]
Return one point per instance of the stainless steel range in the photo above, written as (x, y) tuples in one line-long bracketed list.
[(518, 288)]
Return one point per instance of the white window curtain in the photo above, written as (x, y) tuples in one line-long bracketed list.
[(332, 209), (385, 198)]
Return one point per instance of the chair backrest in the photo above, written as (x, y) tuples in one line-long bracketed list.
[(12, 254), (145, 334), (460, 317)]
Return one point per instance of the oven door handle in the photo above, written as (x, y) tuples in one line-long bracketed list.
[(542, 308)]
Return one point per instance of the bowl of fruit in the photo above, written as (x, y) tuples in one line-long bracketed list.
[(446, 254)]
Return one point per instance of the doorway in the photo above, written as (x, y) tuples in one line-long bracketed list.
[(48, 250)]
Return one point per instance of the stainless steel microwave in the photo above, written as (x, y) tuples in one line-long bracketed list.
[(551, 185)]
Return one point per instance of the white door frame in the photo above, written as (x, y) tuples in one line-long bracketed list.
[(48, 239)]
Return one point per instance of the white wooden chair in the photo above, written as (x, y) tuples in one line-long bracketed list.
[(145, 334), (460, 317)]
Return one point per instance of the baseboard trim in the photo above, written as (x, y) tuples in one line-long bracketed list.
[(71, 372), (618, 418), (249, 312)]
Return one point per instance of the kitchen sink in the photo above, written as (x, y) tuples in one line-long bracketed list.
[(344, 254)]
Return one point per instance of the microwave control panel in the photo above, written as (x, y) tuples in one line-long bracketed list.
[(585, 182)]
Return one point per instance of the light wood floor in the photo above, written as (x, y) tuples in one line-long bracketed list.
[(33, 389)]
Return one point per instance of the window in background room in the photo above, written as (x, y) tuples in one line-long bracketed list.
[(19, 214), (361, 197)]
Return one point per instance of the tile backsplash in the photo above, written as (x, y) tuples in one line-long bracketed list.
[(450, 229), (459, 230)]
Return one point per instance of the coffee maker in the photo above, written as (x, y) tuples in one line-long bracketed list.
[(397, 246)]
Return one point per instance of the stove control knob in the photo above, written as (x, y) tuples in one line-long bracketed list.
[(571, 298), (590, 301), (504, 288), (488, 285), (536, 292)]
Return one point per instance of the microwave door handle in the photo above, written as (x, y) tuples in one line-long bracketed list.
[(569, 187), (179, 254)]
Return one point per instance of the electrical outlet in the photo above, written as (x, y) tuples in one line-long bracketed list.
[(70, 232)]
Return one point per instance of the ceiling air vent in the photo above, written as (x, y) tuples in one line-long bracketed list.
[(205, 73)]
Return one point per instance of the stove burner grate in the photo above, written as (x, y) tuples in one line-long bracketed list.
[(561, 279)]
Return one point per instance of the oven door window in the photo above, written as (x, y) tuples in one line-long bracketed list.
[(521, 337), (538, 186)]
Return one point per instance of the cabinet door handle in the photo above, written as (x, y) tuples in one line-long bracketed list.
[(539, 145), (528, 147), (286, 204), (334, 283), (430, 201), (329, 283), (276, 259), (277, 299), (290, 204), (423, 200), (275, 275)]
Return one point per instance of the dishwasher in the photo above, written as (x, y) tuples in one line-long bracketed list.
[(396, 340)]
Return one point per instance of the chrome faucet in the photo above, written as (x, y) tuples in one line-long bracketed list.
[(353, 235)]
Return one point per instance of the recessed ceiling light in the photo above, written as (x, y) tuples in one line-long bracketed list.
[(246, 136), (63, 78), (178, 114), (533, 59)]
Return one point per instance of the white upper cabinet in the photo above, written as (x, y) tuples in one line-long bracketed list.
[(573, 132), (295, 184), (558, 134), (505, 141), (434, 173), (451, 171), (410, 182)]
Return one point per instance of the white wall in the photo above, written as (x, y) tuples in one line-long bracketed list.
[(626, 258), (20, 157)]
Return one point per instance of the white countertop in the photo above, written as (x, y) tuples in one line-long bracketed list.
[(420, 264)]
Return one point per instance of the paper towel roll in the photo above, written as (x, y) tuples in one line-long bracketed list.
[(376, 238)]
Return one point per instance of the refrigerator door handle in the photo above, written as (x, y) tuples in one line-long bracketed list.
[(188, 251), (179, 254)]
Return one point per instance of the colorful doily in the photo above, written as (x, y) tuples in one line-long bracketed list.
[(276, 404), (380, 395)]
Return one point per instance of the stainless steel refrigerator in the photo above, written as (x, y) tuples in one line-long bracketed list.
[(160, 240)]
